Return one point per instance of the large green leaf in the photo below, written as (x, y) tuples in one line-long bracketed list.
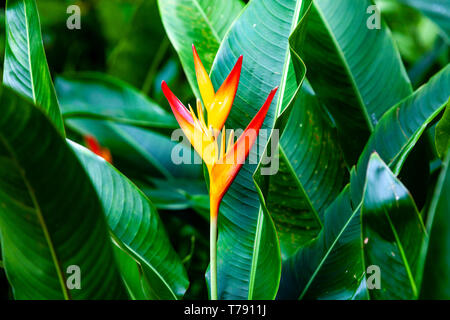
[(355, 71), (330, 267), (293, 195), (133, 127), (308, 273), (436, 276), (199, 22), (136, 227), (311, 173), (437, 10), (25, 67), (261, 35), (401, 127), (50, 214), (392, 233)]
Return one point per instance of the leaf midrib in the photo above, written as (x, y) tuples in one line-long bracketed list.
[(207, 20), (287, 58), (260, 223), (325, 257), (299, 183), (137, 257), (39, 216), (403, 255), (29, 53), (346, 67)]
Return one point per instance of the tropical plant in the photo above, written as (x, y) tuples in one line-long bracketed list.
[(346, 192)]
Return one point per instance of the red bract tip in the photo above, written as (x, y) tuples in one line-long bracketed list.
[(224, 173), (178, 108)]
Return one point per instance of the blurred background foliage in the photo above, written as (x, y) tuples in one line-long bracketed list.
[(125, 39)]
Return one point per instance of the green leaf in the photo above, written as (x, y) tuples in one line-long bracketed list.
[(310, 271), (25, 66), (401, 127), (136, 227), (355, 71), (392, 233), (99, 96), (133, 127), (442, 136), (199, 22), (436, 276), (311, 173), (244, 223), (330, 267), (438, 11), (50, 214)]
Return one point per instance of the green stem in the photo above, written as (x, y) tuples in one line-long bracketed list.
[(213, 249)]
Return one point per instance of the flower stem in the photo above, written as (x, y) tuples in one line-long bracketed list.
[(213, 256)]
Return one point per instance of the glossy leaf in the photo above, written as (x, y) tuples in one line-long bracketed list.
[(436, 276), (392, 233), (401, 127), (355, 71), (50, 215), (330, 267), (311, 174), (25, 66), (199, 22), (136, 227), (337, 245)]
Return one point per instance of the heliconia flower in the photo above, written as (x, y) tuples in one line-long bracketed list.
[(224, 161), (93, 145)]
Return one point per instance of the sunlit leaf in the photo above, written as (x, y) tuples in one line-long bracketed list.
[(25, 66)]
